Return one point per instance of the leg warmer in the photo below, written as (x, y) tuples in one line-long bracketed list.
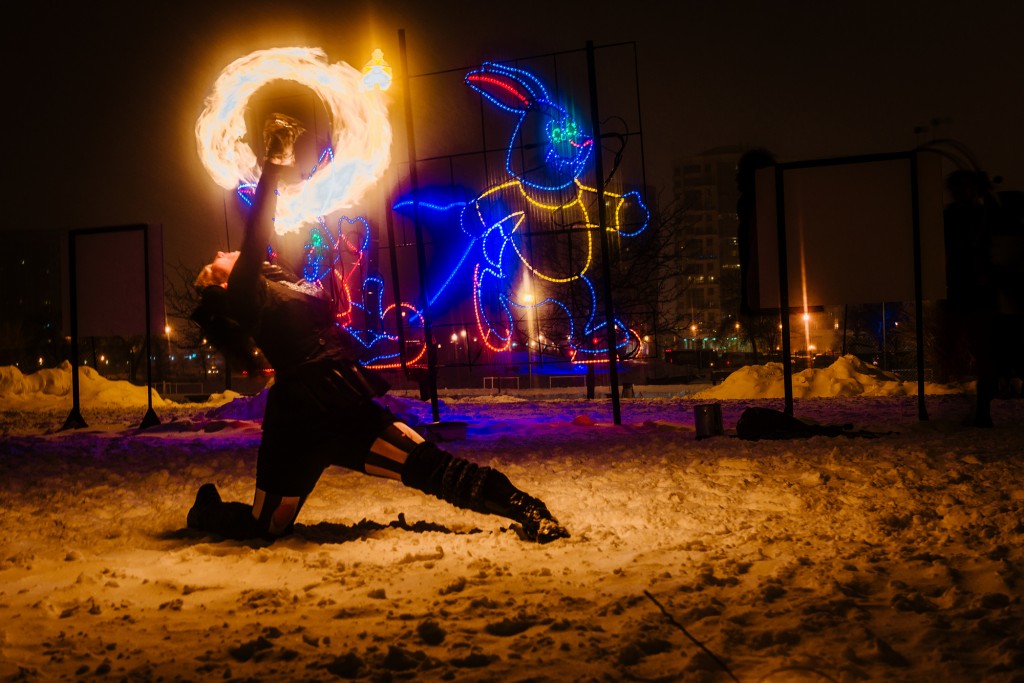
[(454, 480), (480, 489)]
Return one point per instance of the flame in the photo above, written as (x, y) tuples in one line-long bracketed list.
[(360, 132)]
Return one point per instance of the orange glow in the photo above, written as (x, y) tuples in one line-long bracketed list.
[(360, 132)]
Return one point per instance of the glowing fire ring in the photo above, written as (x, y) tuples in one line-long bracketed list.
[(360, 131)]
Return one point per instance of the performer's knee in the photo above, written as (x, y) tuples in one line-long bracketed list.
[(390, 450), (276, 514)]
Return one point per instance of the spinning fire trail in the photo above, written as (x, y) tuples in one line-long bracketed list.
[(360, 131)]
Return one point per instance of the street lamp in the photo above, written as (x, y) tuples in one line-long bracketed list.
[(528, 299), (167, 333)]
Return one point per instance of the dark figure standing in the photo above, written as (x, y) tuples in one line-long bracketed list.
[(969, 221), (320, 410)]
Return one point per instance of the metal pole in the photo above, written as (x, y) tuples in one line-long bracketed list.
[(922, 411), (885, 357), (150, 417), (421, 254), (393, 249), (846, 314), (780, 219), (74, 419), (609, 311)]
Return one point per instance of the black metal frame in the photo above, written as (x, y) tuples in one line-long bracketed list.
[(75, 419)]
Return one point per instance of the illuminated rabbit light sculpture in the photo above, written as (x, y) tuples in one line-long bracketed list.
[(548, 152)]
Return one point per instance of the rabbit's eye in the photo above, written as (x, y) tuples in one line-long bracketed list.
[(565, 133)]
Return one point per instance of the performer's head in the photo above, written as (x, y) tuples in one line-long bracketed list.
[(213, 315), (216, 274)]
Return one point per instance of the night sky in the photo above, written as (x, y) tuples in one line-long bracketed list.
[(102, 99)]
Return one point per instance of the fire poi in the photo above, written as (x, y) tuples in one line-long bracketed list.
[(360, 131)]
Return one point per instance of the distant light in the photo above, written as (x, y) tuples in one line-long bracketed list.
[(377, 73)]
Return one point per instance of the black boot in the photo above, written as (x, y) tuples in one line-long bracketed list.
[(478, 488), (230, 520)]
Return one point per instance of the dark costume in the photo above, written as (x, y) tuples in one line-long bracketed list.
[(984, 240), (970, 221), (320, 409)]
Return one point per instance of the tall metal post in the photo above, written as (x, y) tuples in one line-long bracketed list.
[(393, 249), (609, 309), (150, 418), (915, 203), (421, 254), (780, 219), (74, 419)]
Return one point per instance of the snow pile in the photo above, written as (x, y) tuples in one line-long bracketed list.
[(238, 408), (847, 376), (51, 387)]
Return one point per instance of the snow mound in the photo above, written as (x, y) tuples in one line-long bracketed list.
[(238, 407), (51, 387), (847, 376)]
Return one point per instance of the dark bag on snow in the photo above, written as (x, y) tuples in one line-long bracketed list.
[(764, 423)]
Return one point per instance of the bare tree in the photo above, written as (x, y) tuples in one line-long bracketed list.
[(649, 278), (181, 298)]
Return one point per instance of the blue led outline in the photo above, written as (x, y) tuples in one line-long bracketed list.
[(540, 102), (531, 94), (246, 192)]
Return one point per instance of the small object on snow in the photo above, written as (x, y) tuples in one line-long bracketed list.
[(443, 431), (668, 424), (765, 423), (707, 420), (431, 633)]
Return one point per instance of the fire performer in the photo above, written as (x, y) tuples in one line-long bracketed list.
[(321, 409)]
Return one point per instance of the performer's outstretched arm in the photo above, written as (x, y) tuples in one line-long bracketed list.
[(279, 136), (259, 228)]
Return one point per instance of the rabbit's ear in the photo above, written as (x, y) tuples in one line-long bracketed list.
[(511, 89)]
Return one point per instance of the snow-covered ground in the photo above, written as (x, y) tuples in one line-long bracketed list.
[(896, 558)]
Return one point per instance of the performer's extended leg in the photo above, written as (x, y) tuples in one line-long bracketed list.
[(401, 453), (389, 452)]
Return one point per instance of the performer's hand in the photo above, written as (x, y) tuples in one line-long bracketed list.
[(279, 135)]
